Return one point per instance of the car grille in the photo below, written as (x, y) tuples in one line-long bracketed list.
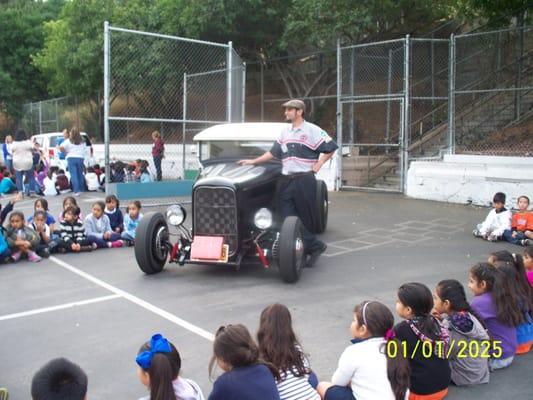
[(215, 214)]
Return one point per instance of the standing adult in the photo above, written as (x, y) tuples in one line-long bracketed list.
[(66, 135), (74, 148), (22, 150), (302, 148), (158, 153), (8, 154)]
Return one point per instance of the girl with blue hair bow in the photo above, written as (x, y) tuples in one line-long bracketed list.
[(159, 364)]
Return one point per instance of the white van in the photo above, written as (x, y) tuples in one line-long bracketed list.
[(49, 143)]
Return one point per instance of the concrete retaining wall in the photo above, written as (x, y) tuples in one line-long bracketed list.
[(471, 179)]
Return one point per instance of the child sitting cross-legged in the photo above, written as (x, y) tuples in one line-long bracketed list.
[(370, 368), (99, 229), (46, 244), (21, 238), (498, 220), (72, 233), (521, 231), (131, 221)]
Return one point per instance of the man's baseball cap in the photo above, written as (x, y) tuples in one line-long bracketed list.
[(299, 104)]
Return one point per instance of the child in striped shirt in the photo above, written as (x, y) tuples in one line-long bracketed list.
[(72, 236)]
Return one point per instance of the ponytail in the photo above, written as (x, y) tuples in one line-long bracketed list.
[(161, 360), (379, 322), (161, 377)]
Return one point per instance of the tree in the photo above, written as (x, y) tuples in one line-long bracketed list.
[(22, 35)]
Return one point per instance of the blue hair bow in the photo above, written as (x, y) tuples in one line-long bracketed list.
[(158, 344)]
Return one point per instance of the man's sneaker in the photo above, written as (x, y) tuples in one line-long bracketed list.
[(526, 242), (33, 257), (16, 256), (128, 242), (477, 233), (314, 255)]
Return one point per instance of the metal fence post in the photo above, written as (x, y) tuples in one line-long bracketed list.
[(40, 117), (229, 81), (389, 88), (106, 104), (262, 83), (404, 141), (243, 92), (451, 96), (57, 118), (339, 116), (352, 93), (184, 123)]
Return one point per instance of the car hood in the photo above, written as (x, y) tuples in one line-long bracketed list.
[(233, 174)]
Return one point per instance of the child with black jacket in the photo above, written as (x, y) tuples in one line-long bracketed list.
[(72, 233)]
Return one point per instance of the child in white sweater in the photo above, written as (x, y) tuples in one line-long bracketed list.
[(498, 220)]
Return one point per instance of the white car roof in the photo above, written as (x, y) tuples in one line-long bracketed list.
[(262, 131), (52, 134)]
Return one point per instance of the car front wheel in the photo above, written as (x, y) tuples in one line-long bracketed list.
[(291, 250), (151, 243)]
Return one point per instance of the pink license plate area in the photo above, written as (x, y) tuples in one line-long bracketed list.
[(209, 248)]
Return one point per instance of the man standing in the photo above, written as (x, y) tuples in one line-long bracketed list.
[(302, 148)]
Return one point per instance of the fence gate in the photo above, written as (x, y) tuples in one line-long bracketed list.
[(372, 108)]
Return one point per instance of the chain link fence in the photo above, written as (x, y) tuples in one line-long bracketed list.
[(492, 94), (308, 76), (54, 115), (172, 85)]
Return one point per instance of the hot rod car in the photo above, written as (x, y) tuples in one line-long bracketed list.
[(235, 218)]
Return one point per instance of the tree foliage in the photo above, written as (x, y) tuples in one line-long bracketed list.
[(21, 35)]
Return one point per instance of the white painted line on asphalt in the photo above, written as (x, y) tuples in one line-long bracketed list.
[(136, 300), (59, 307)]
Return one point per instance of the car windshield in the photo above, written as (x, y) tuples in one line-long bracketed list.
[(56, 140), (232, 149)]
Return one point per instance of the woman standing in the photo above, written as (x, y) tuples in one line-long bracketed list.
[(158, 153), (8, 155), (74, 148), (22, 150)]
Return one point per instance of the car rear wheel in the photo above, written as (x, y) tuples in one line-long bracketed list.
[(151, 243), (321, 207), (291, 250)]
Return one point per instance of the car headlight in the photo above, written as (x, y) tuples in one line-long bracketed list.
[(176, 215), (263, 218)]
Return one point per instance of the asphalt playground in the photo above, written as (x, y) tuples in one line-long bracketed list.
[(98, 308)]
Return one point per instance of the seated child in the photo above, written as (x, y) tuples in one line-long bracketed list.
[(512, 265), (131, 221), (69, 201), (6, 185), (159, 365), (62, 182), (501, 315), (49, 184), (278, 345), (72, 236), (91, 179), (245, 376), (528, 263), (145, 174), (430, 376), (99, 229), (117, 172), (21, 239), (498, 220), (59, 379), (46, 244), (113, 212), (41, 204), (5, 251), (130, 177), (367, 369), (521, 224), (458, 317)]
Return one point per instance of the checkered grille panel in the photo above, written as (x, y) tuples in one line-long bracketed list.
[(215, 214)]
